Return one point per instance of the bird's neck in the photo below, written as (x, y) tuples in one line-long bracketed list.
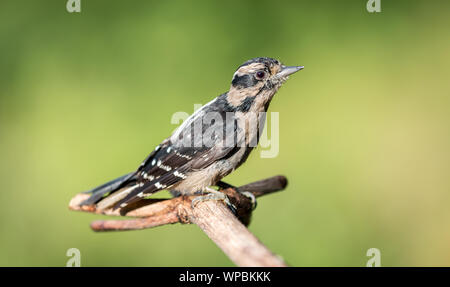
[(245, 100)]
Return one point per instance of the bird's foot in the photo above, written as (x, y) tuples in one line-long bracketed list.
[(214, 195), (250, 196), (247, 194)]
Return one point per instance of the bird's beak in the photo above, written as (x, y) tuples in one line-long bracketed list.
[(288, 70)]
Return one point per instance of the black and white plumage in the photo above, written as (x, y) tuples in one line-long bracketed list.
[(210, 144)]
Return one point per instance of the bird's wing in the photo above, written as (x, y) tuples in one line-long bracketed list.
[(180, 154)]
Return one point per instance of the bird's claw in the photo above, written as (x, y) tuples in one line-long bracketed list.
[(250, 196), (215, 195)]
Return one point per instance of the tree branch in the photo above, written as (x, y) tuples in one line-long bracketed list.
[(213, 217)]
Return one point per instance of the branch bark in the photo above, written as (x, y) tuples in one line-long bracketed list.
[(213, 217)]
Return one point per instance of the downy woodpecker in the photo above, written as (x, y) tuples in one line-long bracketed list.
[(209, 145)]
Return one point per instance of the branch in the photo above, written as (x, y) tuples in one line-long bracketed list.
[(213, 217)]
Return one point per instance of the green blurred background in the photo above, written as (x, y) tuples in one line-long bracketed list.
[(365, 136)]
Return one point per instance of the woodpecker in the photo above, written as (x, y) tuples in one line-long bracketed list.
[(207, 146)]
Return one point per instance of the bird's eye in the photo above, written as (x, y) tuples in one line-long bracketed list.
[(260, 75)]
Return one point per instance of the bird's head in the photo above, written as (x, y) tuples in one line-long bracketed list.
[(257, 80)]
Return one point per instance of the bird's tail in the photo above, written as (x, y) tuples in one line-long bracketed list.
[(112, 186)]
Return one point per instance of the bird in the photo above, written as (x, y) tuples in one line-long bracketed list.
[(210, 144)]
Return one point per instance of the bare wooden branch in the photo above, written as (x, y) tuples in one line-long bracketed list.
[(235, 240), (213, 217)]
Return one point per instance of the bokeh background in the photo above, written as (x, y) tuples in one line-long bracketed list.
[(364, 129)]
